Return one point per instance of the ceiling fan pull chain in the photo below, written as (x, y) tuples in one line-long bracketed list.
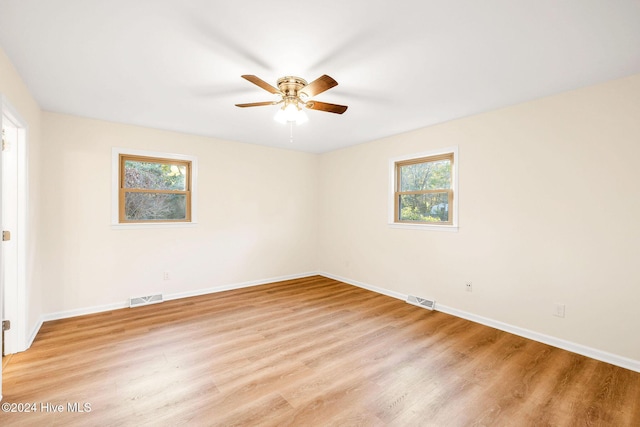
[(291, 132)]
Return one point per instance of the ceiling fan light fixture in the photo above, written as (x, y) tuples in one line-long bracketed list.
[(301, 117), (291, 113), (280, 116)]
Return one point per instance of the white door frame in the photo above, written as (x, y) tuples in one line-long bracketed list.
[(15, 298), (1, 278)]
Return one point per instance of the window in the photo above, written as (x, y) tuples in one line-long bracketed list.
[(153, 188), (423, 190)]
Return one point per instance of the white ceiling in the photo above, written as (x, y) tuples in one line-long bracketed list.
[(400, 65)]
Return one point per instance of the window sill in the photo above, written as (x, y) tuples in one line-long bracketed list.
[(134, 226), (425, 227)]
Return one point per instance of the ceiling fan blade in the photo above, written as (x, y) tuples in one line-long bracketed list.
[(324, 106), (319, 85), (257, 104), (259, 82)]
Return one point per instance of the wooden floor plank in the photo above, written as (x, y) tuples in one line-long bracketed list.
[(312, 352)]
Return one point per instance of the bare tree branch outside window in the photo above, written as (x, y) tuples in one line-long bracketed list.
[(154, 189)]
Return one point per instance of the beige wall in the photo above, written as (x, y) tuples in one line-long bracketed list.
[(17, 95), (256, 213), (549, 211)]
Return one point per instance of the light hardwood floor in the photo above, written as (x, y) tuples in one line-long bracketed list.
[(306, 352)]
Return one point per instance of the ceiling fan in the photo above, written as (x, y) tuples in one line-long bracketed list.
[(294, 93)]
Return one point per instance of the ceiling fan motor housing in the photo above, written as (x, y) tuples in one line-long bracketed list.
[(290, 85)]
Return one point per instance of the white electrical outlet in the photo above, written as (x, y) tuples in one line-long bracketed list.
[(558, 310), (468, 286), (165, 276)]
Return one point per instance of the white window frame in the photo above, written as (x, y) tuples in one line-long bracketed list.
[(454, 186), (115, 188)]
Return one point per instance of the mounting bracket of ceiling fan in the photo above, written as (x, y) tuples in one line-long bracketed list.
[(294, 92)]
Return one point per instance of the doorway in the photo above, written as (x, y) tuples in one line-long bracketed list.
[(13, 215)]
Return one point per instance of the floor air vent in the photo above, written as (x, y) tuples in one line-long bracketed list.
[(421, 302), (146, 300)]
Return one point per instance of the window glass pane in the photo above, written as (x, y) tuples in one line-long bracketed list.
[(426, 176), (155, 206), (433, 207), (154, 176)]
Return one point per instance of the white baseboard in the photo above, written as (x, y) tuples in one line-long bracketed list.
[(167, 297), (33, 334), (593, 353), (376, 289), (229, 287), (82, 311)]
